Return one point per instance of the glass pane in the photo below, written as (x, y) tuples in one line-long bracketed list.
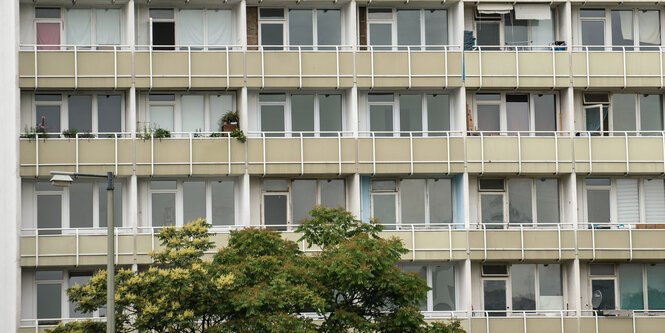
[(592, 12), (490, 184), (487, 33), (194, 201), (272, 34), (630, 287), (48, 98), (411, 113), (381, 119), (491, 206), (593, 33), (380, 97), (220, 26), (49, 213), (547, 200), (651, 112), (193, 118), (649, 21), (602, 269), (301, 27), (593, 120), (408, 27), (523, 283), (162, 97), (383, 185), (303, 193), (436, 27), (80, 205), (49, 300), (545, 112), (51, 116), (274, 209), (78, 26), (161, 116), (109, 117), (438, 113), (440, 201), (489, 118), (383, 208), (495, 269), (495, 296), (163, 185), (623, 112), (223, 203), (519, 201), (598, 206), (412, 200), (219, 106), (597, 181), (628, 204), (80, 112), (48, 34), (550, 287), (380, 34), (272, 98), (275, 185), (515, 31), (604, 289), (332, 193), (190, 27), (330, 113), (273, 13), (48, 275), (656, 286), (163, 209), (517, 112), (380, 13), (421, 272), (117, 203), (272, 119), (161, 13), (329, 26), (163, 33), (302, 113), (80, 279), (542, 32), (488, 97), (443, 288), (41, 12), (46, 186), (107, 22), (622, 28), (654, 197)]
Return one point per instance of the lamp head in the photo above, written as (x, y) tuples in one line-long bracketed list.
[(61, 180)]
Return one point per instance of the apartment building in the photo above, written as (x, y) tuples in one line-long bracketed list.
[(516, 147)]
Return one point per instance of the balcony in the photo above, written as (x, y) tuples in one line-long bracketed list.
[(617, 66), (299, 153), (233, 66)]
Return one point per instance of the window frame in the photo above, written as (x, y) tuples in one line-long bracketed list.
[(607, 19), (613, 195), (396, 116), (501, 22), (286, 36), (206, 45), (178, 112), (93, 27), (503, 112), (430, 281), (60, 21), (610, 114), (287, 105), (63, 103), (394, 29)]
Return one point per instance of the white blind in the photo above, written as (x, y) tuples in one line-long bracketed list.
[(533, 12), (654, 193), (190, 27), (77, 25), (628, 205), (107, 21), (192, 113), (219, 27)]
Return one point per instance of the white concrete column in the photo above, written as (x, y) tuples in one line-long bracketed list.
[(10, 182), (465, 287), (130, 25), (350, 20), (353, 201), (242, 106), (244, 196), (456, 25), (241, 24)]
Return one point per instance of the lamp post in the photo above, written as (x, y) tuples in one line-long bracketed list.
[(64, 179)]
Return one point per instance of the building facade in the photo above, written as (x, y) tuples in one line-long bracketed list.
[(517, 148)]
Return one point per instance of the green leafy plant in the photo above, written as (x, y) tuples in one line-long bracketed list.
[(230, 117), (28, 133), (88, 136), (147, 132), (160, 133), (239, 135), (217, 135), (70, 133)]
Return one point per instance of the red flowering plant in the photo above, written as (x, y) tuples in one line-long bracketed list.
[(40, 129)]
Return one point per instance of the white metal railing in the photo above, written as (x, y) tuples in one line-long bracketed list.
[(52, 322)]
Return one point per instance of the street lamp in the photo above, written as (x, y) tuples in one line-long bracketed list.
[(64, 179)]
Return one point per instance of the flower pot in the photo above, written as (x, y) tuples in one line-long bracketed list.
[(229, 127)]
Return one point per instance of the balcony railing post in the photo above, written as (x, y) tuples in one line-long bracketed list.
[(299, 67), (627, 154), (371, 60), (630, 241), (623, 52), (553, 68), (263, 136), (150, 60), (519, 153), (517, 68), (482, 153), (228, 69), (373, 153), (37, 154), (590, 156), (115, 68), (662, 137), (152, 154), (450, 242), (556, 153), (228, 143), (189, 67), (480, 66), (593, 242), (302, 156), (37, 68), (76, 140), (448, 151), (408, 51), (263, 68), (339, 153), (558, 234), (76, 68), (411, 151), (522, 239), (37, 246), (484, 242), (77, 247), (337, 64), (588, 80), (445, 63), (413, 243), (115, 135), (191, 167), (660, 63), (524, 320)]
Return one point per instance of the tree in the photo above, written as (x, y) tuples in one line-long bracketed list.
[(261, 282)]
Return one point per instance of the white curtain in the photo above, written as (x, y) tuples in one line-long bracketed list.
[(533, 12), (77, 26), (107, 23), (626, 17), (192, 113), (649, 26), (219, 27), (542, 32), (219, 106), (628, 205), (190, 27), (654, 193)]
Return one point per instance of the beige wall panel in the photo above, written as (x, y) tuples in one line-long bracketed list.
[(55, 63), (26, 63), (169, 63)]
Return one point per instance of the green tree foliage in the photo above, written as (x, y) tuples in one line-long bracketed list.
[(262, 282)]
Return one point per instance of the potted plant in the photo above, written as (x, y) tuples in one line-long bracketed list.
[(70, 133), (229, 121)]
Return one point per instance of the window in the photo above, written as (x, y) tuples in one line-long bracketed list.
[(525, 201), (311, 114), (162, 28), (526, 25), (513, 113), (441, 278), (175, 202), (625, 200), (525, 287), (93, 26), (407, 27), (81, 205), (627, 286), (418, 113), (287, 202), (204, 27), (189, 112), (412, 201), (622, 28), (306, 27), (81, 278), (94, 113), (49, 296), (47, 27), (47, 111), (632, 113)]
